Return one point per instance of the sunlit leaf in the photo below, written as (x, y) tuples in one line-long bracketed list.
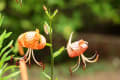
[(2, 67), (57, 53), (54, 14), (2, 36), (6, 47), (11, 75), (9, 68), (15, 50), (48, 44), (4, 57), (8, 34), (46, 75)]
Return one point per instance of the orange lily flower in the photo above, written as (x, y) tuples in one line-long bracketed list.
[(77, 48), (31, 40)]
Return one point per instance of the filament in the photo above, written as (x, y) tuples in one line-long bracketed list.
[(35, 59), (83, 60), (27, 52), (29, 55), (77, 65), (93, 55), (90, 61)]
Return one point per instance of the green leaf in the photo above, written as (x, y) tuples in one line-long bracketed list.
[(48, 14), (8, 34), (2, 36), (2, 69), (46, 75), (9, 68), (57, 53), (15, 50), (8, 58), (6, 54), (54, 14), (48, 44), (11, 75), (4, 57), (6, 47), (4, 66)]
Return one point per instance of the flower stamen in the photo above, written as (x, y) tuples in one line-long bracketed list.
[(29, 55), (77, 65), (84, 63), (88, 59), (35, 59)]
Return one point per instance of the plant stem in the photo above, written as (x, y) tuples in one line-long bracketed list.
[(51, 51)]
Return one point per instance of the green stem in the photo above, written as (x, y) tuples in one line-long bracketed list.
[(51, 52)]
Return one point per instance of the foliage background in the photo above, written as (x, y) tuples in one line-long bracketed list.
[(87, 18), (80, 16), (74, 15), (96, 21)]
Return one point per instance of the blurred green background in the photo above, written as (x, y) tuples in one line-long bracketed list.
[(96, 21)]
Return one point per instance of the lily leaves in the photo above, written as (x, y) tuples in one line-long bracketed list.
[(58, 52), (4, 53), (4, 36), (47, 76)]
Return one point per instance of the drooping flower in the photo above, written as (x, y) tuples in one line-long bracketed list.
[(78, 48), (31, 40)]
